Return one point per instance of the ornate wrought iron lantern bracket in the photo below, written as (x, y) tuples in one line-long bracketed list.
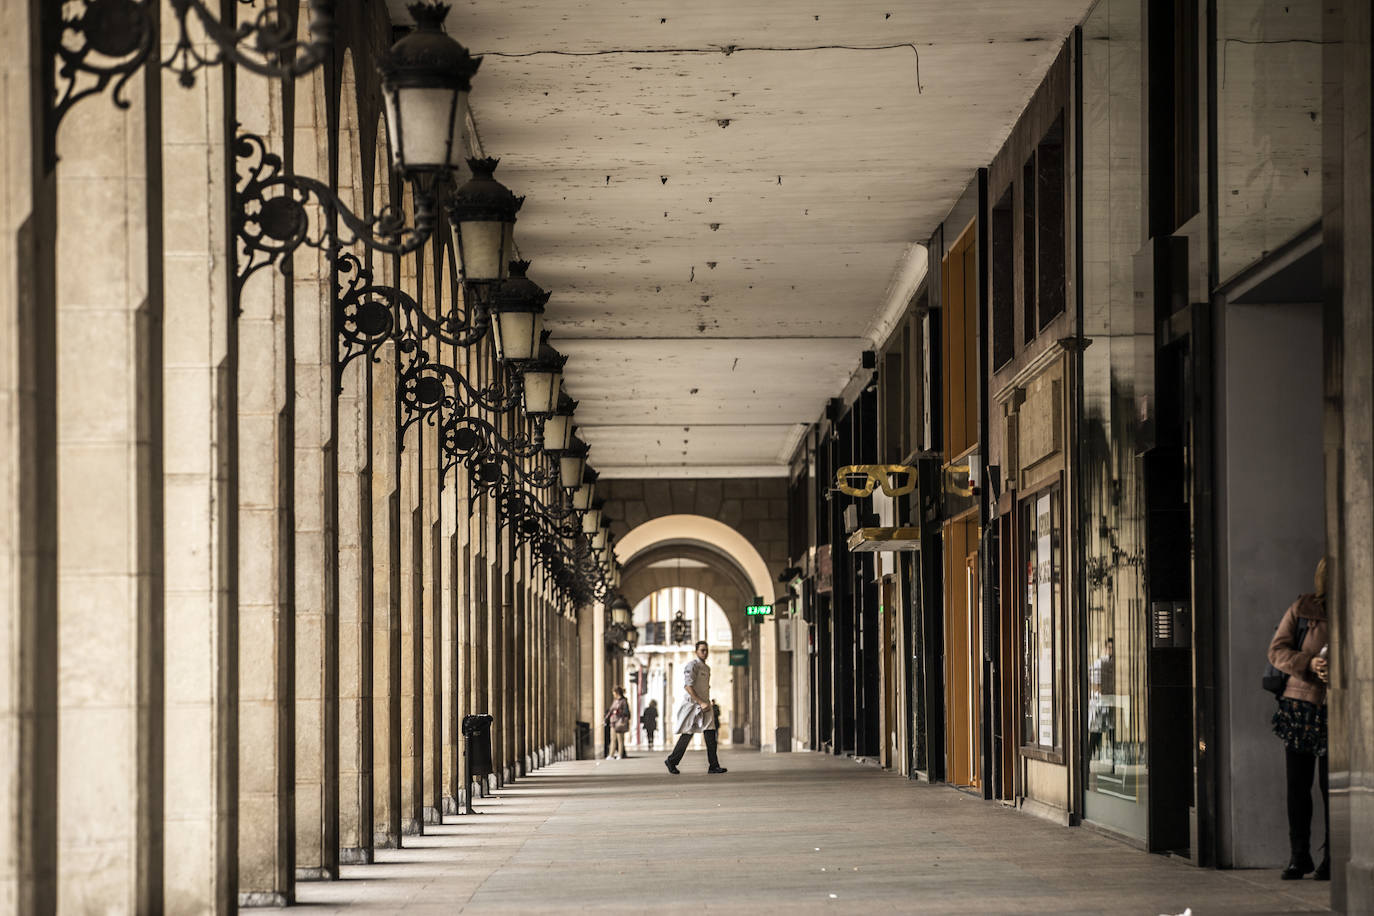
[(271, 220)]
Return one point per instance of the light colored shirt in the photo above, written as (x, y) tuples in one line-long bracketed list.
[(689, 717)]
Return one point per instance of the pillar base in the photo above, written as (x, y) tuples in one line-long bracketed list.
[(450, 805), (737, 736), (432, 815), (356, 855), (320, 873), (264, 898), (412, 827), (386, 841)]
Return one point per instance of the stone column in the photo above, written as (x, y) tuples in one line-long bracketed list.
[(200, 477), (386, 602), (28, 474), (266, 755), (354, 519), (315, 554), (110, 512), (519, 629), (450, 674), (412, 636), (600, 672), (588, 662), (477, 625), (355, 621), (431, 610), (496, 643), (466, 701)]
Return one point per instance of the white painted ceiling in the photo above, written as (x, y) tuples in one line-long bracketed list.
[(722, 230)]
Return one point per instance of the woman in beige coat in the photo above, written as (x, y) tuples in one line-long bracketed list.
[(1300, 722)]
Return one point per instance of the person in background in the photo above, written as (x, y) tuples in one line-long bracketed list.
[(618, 718), (1299, 650), (649, 720), (695, 712)]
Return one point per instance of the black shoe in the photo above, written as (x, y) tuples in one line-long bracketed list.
[(1323, 872), (717, 769), (1300, 864), (672, 767)]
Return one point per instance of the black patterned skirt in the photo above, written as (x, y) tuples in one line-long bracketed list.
[(1301, 726)]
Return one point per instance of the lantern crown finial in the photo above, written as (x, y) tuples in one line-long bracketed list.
[(427, 56), (428, 15)]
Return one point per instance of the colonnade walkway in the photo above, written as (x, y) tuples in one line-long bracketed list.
[(778, 833)]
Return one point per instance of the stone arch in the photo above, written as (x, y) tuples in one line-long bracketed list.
[(698, 529), (754, 508), (720, 577)]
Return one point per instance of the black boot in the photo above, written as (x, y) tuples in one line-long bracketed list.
[(1299, 864), (1323, 872)]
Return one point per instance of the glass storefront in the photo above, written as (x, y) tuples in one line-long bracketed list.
[(1117, 386)]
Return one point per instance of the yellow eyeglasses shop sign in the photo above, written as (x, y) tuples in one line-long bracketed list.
[(861, 479), (758, 610)]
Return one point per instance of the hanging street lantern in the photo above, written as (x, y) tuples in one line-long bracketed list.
[(585, 494), (517, 309), (543, 381), (591, 519), (483, 215), (558, 428), (426, 77), (620, 611), (572, 468)]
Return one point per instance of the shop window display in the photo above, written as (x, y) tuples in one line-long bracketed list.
[(1042, 558)]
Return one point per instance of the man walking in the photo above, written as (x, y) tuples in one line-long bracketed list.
[(695, 712)]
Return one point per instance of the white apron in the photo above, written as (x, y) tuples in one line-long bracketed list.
[(690, 718)]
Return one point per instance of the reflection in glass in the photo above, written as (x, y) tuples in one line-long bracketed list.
[(1117, 380)]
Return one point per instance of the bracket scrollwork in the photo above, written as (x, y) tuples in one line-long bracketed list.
[(271, 219)]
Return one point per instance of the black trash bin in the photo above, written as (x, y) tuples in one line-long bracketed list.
[(477, 745), (584, 741)]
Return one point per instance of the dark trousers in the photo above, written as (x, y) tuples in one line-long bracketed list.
[(1300, 767), (650, 733), (681, 748)]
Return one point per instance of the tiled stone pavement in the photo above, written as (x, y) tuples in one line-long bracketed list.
[(778, 833)]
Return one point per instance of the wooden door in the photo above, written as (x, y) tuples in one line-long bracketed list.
[(963, 668)]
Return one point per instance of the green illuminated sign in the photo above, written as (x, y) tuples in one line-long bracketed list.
[(758, 610), (739, 658)]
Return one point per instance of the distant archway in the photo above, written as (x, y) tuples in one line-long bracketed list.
[(722, 538)]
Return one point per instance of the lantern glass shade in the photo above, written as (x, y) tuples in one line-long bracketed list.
[(571, 467), (583, 495), (484, 244), (599, 539), (426, 76), (620, 614), (425, 127), (591, 521), (541, 393), (557, 437), (517, 335)]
